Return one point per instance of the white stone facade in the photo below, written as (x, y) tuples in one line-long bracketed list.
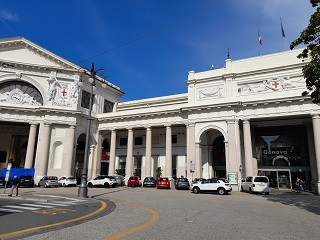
[(246, 118)]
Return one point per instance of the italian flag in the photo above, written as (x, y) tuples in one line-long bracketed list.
[(259, 38)]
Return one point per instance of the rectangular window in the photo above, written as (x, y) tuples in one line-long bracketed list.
[(85, 100), (155, 140), (174, 138), (3, 156), (138, 141), (123, 141), (108, 106)]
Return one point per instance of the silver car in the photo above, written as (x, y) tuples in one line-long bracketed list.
[(120, 180), (48, 181)]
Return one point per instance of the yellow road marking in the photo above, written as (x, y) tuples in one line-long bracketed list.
[(54, 211), (145, 225), (103, 206)]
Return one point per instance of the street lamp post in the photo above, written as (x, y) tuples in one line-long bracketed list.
[(83, 189)]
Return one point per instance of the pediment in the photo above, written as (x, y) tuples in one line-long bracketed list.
[(22, 51)]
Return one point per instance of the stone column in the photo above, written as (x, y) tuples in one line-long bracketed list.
[(247, 148), (316, 135), (43, 157), (198, 162), (168, 172), (96, 166), (129, 159), (69, 140), (90, 162), (191, 147), (148, 151), (31, 144), (112, 153), (312, 157)]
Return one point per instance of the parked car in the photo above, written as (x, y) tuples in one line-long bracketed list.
[(163, 183), (198, 180), (253, 184), (2, 181), (102, 181), (182, 183), (26, 181), (149, 182), (67, 181), (220, 185), (48, 181), (134, 181), (120, 180)]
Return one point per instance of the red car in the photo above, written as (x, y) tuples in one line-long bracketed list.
[(163, 183), (134, 181)]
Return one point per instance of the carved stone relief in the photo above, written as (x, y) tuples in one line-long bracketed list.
[(269, 85), (62, 94), (16, 96), (210, 92)]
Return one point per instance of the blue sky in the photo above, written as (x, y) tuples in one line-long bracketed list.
[(149, 46)]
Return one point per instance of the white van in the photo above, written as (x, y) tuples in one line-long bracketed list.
[(253, 184)]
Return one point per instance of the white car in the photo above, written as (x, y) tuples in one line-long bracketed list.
[(67, 181), (102, 180), (220, 185), (253, 184)]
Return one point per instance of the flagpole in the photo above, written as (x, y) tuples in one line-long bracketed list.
[(282, 33)]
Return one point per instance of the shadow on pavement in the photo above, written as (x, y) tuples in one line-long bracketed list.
[(304, 200)]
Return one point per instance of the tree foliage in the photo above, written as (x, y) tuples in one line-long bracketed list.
[(311, 38)]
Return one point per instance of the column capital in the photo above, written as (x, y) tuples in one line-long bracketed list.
[(232, 120), (315, 116), (33, 123), (246, 120), (190, 124)]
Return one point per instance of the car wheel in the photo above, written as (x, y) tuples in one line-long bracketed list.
[(106, 185), (38, 185), (250, 190), (90, 185), (221, 191), (128, 185), (64, 185), (242, 189), (196, 190)]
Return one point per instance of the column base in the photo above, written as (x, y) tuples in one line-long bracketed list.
[(83, 192)]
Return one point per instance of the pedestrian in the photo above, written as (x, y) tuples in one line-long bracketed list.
[(15, 185), (298, 184)]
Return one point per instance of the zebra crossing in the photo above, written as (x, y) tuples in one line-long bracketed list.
[(37, 205)]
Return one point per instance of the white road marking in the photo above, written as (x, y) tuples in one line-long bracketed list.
[(9, 210), (21, 207), (53, 204)]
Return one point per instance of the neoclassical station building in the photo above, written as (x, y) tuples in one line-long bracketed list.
[(247, 118)]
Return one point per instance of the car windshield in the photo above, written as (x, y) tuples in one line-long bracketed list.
[(133, 178), (183, 180), (26, 177), (223, 180), (261, 179), (163, 179), (71, 178)]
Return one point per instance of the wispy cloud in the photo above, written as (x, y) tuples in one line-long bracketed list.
[(9, 16)]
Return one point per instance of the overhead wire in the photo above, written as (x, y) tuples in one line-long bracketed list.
[(201, 12)]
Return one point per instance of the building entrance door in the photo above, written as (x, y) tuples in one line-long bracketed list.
[(280, 179), (284, 179)]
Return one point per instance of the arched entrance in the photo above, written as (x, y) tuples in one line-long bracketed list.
[(213, 155)]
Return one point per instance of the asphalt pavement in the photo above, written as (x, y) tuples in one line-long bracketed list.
[(149, 213)]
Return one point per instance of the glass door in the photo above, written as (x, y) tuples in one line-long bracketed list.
[(284, 179)]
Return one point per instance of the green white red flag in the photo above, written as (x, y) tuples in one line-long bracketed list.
[(259, 38)]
